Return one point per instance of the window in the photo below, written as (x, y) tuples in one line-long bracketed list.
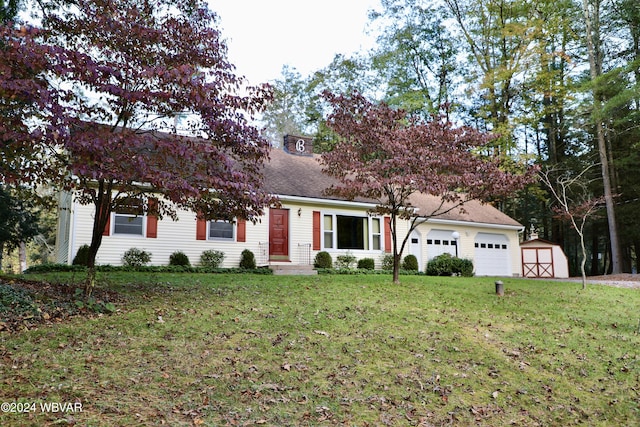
[(376, 234), (328, 231), (128, 218), (220, 230), (352, 232)]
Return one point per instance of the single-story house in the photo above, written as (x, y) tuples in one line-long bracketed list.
[(307, 222), (543, 259)]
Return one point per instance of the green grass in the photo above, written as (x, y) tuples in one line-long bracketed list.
[(215, 350)]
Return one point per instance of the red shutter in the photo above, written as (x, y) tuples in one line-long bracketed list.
[(316, 230), (152, 219), (201, 228), (107, 228), (387, 234), (242, 230)]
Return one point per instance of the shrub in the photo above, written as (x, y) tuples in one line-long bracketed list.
[(410, 263), (179, 258), (387, 262), (367, 263), (446, 265), (463, 267), (247, 260), (323, 260), (442, 265), (135, 257), (345, 261), (82, 256), (211, 258)]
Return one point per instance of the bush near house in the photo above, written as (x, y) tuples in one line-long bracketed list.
[(179, 258), (82, 256), (135, 257), (247, 260), (463, 267), (367, 264), (323, 260), (387, 262), (410, 263), (106, 268), (345, 261), (211, 258), (448, 265)]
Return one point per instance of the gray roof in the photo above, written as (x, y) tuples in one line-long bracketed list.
[(294, 175)]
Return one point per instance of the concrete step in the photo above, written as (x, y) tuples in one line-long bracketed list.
[(293, 270)]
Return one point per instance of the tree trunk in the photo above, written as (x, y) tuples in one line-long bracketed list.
[(396, 255), (592, 25), (22, 256), (583, 259), (103, 211), (595, 248)]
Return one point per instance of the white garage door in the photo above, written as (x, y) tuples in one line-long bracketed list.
[(440, 242), (492, 255)]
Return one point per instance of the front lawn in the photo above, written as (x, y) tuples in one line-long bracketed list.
[(216, 349)]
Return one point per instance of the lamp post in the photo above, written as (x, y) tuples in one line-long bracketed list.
[(455, 235)]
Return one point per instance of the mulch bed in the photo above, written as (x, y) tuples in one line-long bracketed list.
[(27, 304)]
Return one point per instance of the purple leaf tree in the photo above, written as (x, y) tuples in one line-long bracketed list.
[(143, 101), (386, 155)]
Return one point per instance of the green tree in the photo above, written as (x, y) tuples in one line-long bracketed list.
[(343, 75), (592, 10), (285, 114), (8, 10), (18, 221), (415, 59), (498, 43)]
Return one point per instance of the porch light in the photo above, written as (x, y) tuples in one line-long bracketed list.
[(455, 236)]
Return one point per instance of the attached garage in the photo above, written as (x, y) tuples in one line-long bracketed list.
[(492, 255), (543, 259), (440, 242)]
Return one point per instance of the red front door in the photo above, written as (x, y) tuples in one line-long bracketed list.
[(279, 234)]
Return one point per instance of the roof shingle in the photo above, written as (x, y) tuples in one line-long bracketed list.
[(293, 175)]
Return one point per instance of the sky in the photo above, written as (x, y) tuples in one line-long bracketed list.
[(265, 35)]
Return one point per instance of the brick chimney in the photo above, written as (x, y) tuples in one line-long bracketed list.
[(298, 145)]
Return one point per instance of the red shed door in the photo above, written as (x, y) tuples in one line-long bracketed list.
[(279, 234)]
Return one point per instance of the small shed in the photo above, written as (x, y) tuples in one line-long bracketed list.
[(543, 259)]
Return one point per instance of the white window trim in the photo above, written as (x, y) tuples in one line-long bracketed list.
[(334, 232), (112, 226), (234, 227)]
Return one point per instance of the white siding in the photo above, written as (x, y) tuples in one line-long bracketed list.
[(180, 235)]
